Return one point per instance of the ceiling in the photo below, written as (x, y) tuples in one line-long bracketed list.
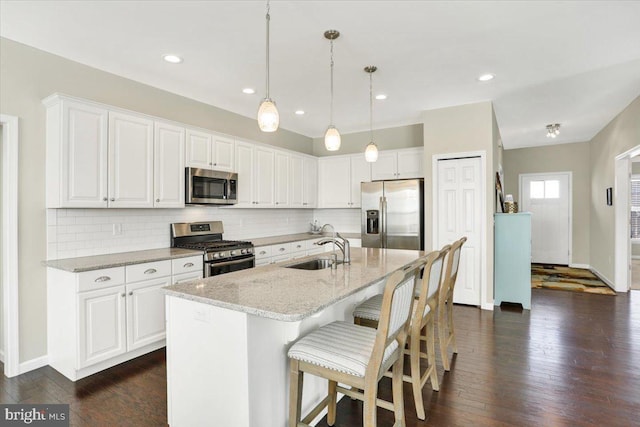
[(574, 63)]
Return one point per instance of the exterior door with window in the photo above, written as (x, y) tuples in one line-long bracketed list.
[(547, 197)]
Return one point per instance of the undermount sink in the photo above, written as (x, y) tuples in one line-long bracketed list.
[(313, 264)]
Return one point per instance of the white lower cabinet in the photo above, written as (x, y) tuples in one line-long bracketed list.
[(100, 318), (286, 251)]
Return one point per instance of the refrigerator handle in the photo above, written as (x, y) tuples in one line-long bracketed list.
[(383, 210)]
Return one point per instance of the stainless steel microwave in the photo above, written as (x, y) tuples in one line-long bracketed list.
[(209, 187)]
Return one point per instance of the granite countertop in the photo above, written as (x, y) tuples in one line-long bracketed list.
[(289, 294), (98, 262), (286, 238)]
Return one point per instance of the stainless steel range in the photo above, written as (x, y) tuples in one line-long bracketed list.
[(220, 256)]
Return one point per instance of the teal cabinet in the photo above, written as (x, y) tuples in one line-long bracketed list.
[(512, 258)]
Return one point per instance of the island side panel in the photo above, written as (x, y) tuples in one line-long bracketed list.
[(207, 367), (268, 343)]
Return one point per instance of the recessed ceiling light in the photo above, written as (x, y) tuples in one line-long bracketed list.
[(174, 59), (299, 112), (248, 91), (381, 96), (486, 77)]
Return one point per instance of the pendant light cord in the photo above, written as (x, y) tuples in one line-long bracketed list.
[(268, 19), (331, 109), (371, 107)]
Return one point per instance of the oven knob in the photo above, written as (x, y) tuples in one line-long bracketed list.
[(234, 253), (216, 255), (243, 251)]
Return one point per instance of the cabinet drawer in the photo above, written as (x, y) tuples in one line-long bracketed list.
[(280, 258), (316, 250), (298, 246), (186, 265), (281, 249), (148, 270), (263, 252), (99, 279), (263, 261)]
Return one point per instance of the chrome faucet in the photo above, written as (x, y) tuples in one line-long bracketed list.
[(342, 245)]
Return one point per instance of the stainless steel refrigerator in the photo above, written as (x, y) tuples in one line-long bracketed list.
[(393, 214)]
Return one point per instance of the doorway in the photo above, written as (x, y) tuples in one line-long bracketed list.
[(458, 211), (9, 251), (548, 197)]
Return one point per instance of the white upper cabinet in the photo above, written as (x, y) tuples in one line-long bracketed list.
[(209, 151), (255, 166), (339, 180), (130, 161), (360, 172), (76, 154), (281, 183), (399, 164), (310, 184), (168, 165), (296, 181)]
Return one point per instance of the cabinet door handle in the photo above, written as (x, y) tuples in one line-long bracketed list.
[(188, 265), (263, 253), (282, 249), (102, 279), (150, 271), (305, 204), (215, 164), (210, 164), (104, 199), (113, 199), (157, 200), (130, 292), (123, 295), (298, 246)]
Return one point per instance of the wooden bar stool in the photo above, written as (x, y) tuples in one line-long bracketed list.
[(446, 331), (357, 356), (422, 325)]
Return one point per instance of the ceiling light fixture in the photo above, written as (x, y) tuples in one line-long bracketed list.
[(174, 59), (299, 112), (249, 90), (553, 130), (486, 77), (331, 136), (268, 116), (371, 152), (381, 97)]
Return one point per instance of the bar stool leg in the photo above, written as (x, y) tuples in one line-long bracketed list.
[(295, 393), (414, 357), (443, 338), (431, 353), (369, 405), (398, 399), (452, 332), (333, 400)]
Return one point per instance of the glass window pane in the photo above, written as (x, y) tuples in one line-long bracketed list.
[(635, 193), (552, 189), (536, 189)]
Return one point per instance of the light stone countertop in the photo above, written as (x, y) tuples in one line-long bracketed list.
[(289, 294), (98, 262), (286, 238)]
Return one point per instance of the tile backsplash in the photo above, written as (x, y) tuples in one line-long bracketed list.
[(84, 232)]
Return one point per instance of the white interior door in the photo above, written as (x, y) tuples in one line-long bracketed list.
[(547, 197), (460, 214)]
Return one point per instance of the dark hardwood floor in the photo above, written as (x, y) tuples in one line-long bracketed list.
[(573, 360)]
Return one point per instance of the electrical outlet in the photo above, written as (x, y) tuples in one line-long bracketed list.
[(117, 229)]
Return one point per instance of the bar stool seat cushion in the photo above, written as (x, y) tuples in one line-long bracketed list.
[(339, 346), (370, 309)]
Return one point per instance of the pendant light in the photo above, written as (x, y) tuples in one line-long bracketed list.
[(331, 136), (268, 116), (371, 152)]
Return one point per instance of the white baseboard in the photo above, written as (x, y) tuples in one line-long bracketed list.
[(33, 364), (584, 266), (603, 278), (2, 356), (487, 306)]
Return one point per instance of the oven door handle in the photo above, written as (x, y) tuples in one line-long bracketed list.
[(238, 261)]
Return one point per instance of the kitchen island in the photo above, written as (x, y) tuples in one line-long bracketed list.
[(228, 335)]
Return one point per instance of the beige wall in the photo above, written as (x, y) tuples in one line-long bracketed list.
[(27, 76), (619, 136), (572, 158), (460, 129), (386, 139)]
